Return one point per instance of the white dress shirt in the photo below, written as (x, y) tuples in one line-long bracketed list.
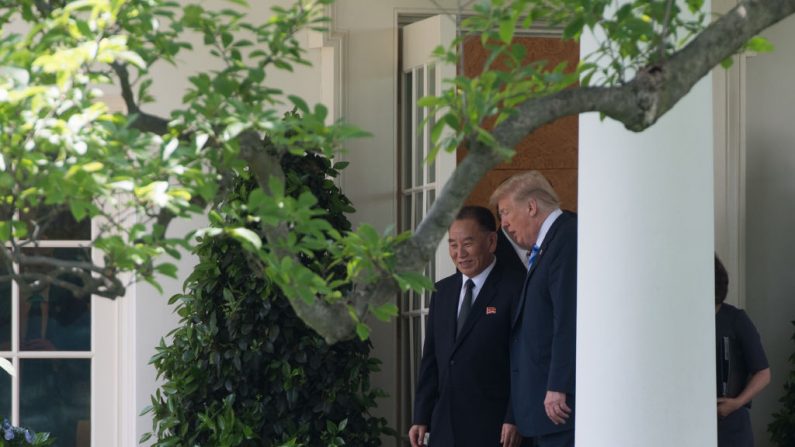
[(478, 279), (542, 233)]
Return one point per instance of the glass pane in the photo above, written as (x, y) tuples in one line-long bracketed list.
[(5, 394), (408, 107), (405, 218), (405, 377), (416, 337), (5, 312), (51, 317), (418, 214), (431, 120), (432, 80), (55, 397), (431, 199), (419, 158), (57, 224)]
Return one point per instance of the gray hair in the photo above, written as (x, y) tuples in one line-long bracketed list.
[(522, 187)]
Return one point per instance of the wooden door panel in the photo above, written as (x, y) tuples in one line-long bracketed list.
[(552, 149)]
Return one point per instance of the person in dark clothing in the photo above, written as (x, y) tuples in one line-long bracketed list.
[(463, 387), (733, 327)]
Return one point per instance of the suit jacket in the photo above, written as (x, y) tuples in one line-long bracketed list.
[(463, 388), (544, 331)]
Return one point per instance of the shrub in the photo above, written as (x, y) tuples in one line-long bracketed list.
[(243, 369), (12, 436), (782, 428)]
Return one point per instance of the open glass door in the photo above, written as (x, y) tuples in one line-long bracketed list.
[(420, 181)]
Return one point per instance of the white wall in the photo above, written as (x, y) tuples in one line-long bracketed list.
[(770, 215)]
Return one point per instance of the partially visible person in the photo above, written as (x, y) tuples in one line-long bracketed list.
[(734, 420), (544, 329), (463, 389)]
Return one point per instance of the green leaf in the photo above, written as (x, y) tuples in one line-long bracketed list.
[(276, 187), (363, 331), (299, 103), (507, 28), (385, 312), (759, 44), (7, 367), (413, 281), (233, 130), (167, 269), (245, 236)]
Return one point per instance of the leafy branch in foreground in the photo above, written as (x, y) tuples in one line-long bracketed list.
[(63, 154)]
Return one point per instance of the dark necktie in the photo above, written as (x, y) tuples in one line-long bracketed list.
[(532, 255), (466, 306)]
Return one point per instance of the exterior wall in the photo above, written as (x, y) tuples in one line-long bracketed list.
[(770, 218)]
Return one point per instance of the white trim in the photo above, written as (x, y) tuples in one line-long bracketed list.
[(126, 374), (729, 108), (332, 50)]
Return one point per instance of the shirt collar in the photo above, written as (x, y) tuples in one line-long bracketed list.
[(542, 233), (480, 278)]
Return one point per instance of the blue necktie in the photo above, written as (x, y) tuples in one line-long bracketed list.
[(532, 256)]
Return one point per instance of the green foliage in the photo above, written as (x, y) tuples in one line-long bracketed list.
[(11, 436), (243, 369), (782, 428), (63, 152)]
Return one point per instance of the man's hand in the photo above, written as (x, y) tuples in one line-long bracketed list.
[(510, 437), (417, 435), (555, 405), (727, 406)]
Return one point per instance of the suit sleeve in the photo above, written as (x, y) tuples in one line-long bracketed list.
[(563, 291), (427, 392)]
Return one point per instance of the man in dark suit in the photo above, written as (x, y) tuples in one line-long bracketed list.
[(463, 389), (544, 328)]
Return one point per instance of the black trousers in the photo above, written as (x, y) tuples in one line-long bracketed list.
[(735, 429), (559, 439)]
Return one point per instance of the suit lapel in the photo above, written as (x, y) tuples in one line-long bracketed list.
[(484, 298), (553, 230)]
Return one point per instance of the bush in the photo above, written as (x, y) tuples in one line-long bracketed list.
[(782, 428), (12, 436), (243, 369)]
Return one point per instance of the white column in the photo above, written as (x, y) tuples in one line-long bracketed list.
[(645, 317)]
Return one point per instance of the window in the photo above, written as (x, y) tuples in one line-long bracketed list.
[(419, 183), (48, 333)]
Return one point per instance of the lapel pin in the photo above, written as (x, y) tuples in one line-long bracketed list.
[(491, 310)]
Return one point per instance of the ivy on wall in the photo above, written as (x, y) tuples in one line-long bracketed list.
[(242, 369)]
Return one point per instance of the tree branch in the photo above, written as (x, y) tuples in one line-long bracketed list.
[(142, 121), (331, 320), (637, 104)]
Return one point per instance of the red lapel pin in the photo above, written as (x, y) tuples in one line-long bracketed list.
[(491, 310)]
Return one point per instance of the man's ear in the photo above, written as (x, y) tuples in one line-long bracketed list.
[(492, 239), (532, 206)]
